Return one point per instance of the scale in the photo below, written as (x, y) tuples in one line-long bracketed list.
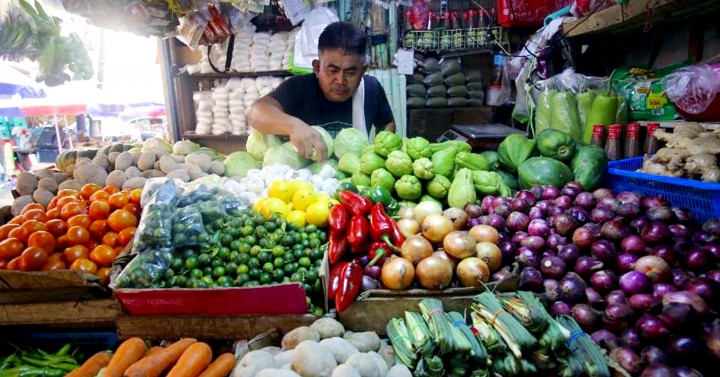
[(480, 136)]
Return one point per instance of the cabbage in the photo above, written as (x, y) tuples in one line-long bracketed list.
[(257, 144), (237, 164), (329, 142), (184, 147), (156, 144), (316, 167), (350, 140), (284, 155)]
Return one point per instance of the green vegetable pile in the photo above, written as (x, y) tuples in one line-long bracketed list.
[(39, 363)]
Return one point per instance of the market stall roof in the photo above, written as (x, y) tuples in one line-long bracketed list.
[(70, 99), (14, 83)]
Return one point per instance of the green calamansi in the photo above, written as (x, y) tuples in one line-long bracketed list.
[(556, 144), (418, 147), (386, 142), (462, 190), (423, 168), (514, 150), (360, 179), (398, 163), (383, 178), (439, 186), (444, 161), (349, 163), (370, 161), (472, 161), (408, 187)]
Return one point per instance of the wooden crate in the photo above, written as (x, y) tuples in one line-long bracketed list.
[(83, 314), (63, 285)]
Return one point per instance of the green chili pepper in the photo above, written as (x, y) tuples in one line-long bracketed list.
[(603, 111), (348, 186)]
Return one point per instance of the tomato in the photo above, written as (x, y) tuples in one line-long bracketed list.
[(42, 239), (55, 257), (121, 219), (57, 227), (68, 192), (97, 229), (53, 203), (19, 220), (84, 265), (3, 264), (33, 225), (110, 239), (5, 230), (76, 252), (33, 258), (100, 195), (135, 196), (14, 264), (62, 243), (79, 220), (11, 248), (65, 200), (77, 235), (71, 209), (111, 189), (53, 214), (89, 189), (126, 235), (119, 250), (19, 233), (36, 214), (53, 265), (103, 255), (99, 210), (32, 206), (104, 274), (133, 208), (119, 200)]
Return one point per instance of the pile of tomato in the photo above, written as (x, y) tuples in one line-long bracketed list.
[(82, 231)]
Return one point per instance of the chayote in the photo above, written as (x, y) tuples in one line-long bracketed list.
[(360, 179), (349, 163), (486, 182), (370, 162), (423, 168), (439, 186), (399, 163), (472, 161), (418, 147), (382, 178), (386, 142), (408, 187), (444, 161), (462, 190)]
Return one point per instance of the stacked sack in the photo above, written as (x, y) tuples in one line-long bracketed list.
[(444, 85), (203, 112), (260, 52), (220, 110), (259, 56), (243, 44), (236, 100)]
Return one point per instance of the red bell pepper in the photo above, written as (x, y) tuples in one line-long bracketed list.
[(350, 283), (338, 218), (396, 236), (335, 278), (337, 246), (378, 254), (358, 234), (356, 204), (382, 227)]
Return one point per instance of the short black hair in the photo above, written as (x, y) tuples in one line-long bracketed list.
[(344, 36)]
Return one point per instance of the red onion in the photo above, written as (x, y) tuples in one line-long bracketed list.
[(473, 210), (609, 203), (501, 274), (586, 317), (614, 230), (705, 288), (604, 338), (628, 211), (578, 213), (603, 251), (680, 278), (618, 326), (654, 267), (534, 242), (616, 297), (571, 192), (679, 230), (527, 257), (569, 253), (601, 215), (634, 282), (638, 224), (657, 370), (474, 221), (662, 214), (518, 238), (712, 340), (550, 192), (496, 221), (699, 260), (585, 200), (547, 254), (373, 272), (675, 314), (633, 244), (487, 204), (551, 289), (651, 328), (500, 200), (713, 248), (539, 227), (713, 275), (518, 205), (655, 232), (686, 372), (618, 312), (653, 355), (555, 241), (627, 359), (563, 202), (604, 281), (527, 196), (585, 265), (626, 262), (574, 185), (537, 191), (593, 297), (560, 307), (537, 213), (661, 289), (602, 193), (554, 211), (553, 267), (531, 280), (564, 224), (517, 221), (583, 237), (572, 290), (653, 201), (668, 254), (628, 197), (503, 209), (702, 237), (712, 226), (643, 302), (684, 349), (682, 215), (508, 252), (543, 205)]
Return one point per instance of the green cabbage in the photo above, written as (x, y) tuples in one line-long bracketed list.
[(184, 147), (237, 164), (257, 144), (156, 144), (284, 155), (350, 140), (329, 142)]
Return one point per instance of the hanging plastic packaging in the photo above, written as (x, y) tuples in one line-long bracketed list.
[(693, 89)]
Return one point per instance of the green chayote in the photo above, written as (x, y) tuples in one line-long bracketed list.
[(472, 161), (408, 187), (383, 178), (487, 182), (349, 163), (444, 161), (462, 190), (423, 168), (370, 162), (399, 163), (386, 142), (439, 186), (418, 147), (360, 179)]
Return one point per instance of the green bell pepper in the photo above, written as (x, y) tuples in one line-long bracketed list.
[(348, 186)]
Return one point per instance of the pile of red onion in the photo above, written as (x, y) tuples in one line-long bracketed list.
[(641, 277)]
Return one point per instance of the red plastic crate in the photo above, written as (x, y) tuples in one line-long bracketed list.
[(268, 300)]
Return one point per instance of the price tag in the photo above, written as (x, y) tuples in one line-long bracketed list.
[(656, 100)]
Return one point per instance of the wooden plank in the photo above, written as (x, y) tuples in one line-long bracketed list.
[(63, 285), (62, 314), (207, 327)]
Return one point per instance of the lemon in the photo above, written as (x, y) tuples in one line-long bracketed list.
[(296, 217), (317, 214), (298, 184), (303, 198), (274, 205), (280, 190), (322, 197), (258, 205)]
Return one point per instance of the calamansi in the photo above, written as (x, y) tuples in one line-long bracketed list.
[(274, 205), (280, 190), (296, 217), (317, 214), (303, 198)]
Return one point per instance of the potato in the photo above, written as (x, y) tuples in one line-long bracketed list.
[(283, 358), (101, 160), (345, 371), (70, 184), (44, 173), (365, 341), (297, 336), (273, 350), (399, 370), (136, 156), (116, 178), (49, 184), (194, 170), (26, 184), (43, 196), (60, 177), (82, 161), (312, 360), (20, 203), (200, 159), (178, 158), (146, 161), (277, 373), (123, 161), (152, 173), (367, 365), (90, 173), (134, 183), (179, 174), (328, 327), (252, 363), (167, 164), (112, 157), (340, 348), (217, 167), (132, 172)]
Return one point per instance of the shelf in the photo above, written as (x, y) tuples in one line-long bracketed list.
[(633, 16), (192, 135), (225, 75), (675, 123)]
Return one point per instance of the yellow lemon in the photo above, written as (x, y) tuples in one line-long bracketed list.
[(303, 198), (274, 205), (296, 217), (317, 214), (280, 190), (299, 184), (258, 205), (322, 197)]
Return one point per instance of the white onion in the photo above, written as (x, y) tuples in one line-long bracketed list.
[(408, 227), (426, 209), (436, 226)]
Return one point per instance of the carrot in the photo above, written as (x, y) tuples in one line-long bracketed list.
[(193, 361), (92, 365), (154, 350), (155, 364), (128, 353), (221, 367)]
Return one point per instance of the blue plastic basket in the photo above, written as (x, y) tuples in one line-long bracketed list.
[(702, 198)]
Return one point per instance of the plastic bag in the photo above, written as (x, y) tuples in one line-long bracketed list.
[(146, 270), (314, 24), (155, 229), (693, 88), (160, 190), (644, 90), (543, 110), (584, 105), (564, 114), (188, 227)]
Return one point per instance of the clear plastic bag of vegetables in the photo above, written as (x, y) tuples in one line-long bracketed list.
[(160, 190), (155, 229), (188, 227), (146, 270), (210, 211), (196, 194)]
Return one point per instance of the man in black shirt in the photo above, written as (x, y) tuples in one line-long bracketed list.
[(336, 95)]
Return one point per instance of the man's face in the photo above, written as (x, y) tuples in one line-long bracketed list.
[(339, 73)]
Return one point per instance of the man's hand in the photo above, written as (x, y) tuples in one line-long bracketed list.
[(306, 139)]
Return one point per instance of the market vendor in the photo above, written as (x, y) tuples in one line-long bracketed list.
[(333, 96)]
